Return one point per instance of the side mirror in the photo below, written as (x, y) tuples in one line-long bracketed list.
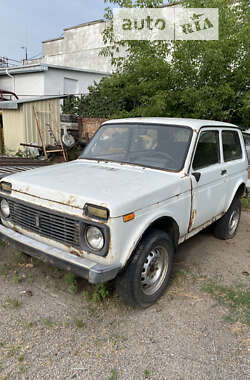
[(197, 176)]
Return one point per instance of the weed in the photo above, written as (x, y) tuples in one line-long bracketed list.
[(17, 279), (20, 358), (146, 374), (12, 350), (11, 303), (57, 273), (1, 344), (236, 300), (21, 368), (2, 243), (20, 258), (85, 294), (113, 375), (245, 202), (29, 324), (47, 322), (70, 280), (29, 278), (79, 323), (5, 269), (101, 292)]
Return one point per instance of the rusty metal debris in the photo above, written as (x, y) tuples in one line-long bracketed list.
[(9, 165)]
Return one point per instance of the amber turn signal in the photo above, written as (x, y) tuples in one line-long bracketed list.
[(128, 217)]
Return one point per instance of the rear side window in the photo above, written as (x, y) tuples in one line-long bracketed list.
[(231, 146), (247, 142), (207, 150)]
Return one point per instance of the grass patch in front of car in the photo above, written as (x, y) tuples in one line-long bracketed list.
[(71, 281), (245, 202), (236, 299), (100, 293)]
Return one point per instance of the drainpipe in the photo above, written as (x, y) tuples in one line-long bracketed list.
[(14, 82)]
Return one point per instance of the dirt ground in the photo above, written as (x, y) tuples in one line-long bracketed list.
[(51, 328)]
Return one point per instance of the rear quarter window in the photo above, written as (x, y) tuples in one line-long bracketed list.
[(247, 143), (231, 146)]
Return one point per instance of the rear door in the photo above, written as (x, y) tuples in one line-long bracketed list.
[(209, 181), (234, 162)]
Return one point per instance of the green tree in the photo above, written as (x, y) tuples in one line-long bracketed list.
[(202, 79)]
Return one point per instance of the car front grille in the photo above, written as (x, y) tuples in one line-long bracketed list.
[(49, 224)]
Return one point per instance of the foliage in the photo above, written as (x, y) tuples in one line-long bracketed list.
[(236, 300), (246, 203), (71, 105), (199, 79), (70, 280), (99, 294)]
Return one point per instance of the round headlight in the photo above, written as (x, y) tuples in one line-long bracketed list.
[(5, 208), (95, 238)]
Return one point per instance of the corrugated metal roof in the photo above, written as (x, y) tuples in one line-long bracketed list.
[(14, 104)]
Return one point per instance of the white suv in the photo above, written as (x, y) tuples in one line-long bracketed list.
[(140, 188)]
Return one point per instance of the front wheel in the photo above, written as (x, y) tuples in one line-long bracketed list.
[(146, 277), (226, 227)]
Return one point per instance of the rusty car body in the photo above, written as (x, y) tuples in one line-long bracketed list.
[(140, 188)]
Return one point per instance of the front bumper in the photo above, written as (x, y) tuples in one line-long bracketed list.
[(91, 271)]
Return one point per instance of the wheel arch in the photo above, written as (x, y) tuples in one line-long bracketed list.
[(163, 223), (239, 192), (166, 224)]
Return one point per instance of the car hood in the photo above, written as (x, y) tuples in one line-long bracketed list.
[(121, 188)]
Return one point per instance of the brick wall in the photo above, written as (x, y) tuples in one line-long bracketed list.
[(88, 126)]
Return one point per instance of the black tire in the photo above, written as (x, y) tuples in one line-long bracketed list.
[(226, 227), (147, 275)]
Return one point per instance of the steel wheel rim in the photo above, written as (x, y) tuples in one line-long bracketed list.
[(154, 270), (234, 221)]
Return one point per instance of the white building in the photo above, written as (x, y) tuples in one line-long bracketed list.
[(47, 80), (79, 47)]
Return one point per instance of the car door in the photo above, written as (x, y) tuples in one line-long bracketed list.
[(209, 179), (233, 158)]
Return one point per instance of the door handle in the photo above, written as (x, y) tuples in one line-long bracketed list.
[(223, 172)]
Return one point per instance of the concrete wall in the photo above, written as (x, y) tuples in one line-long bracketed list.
[(24, 85), (79, 48), (55, 81)]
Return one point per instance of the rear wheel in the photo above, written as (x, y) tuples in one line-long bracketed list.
[(226, 227), (146, 276)]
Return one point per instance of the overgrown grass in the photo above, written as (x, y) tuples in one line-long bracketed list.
[(11, 303), (99, 294), (236, 299), (245, 202), (70, 280), (113, 375)]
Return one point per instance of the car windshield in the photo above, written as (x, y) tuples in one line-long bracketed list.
[(156, 146)]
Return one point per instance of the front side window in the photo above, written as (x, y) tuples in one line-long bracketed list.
[(150, 145), (207, 151), (231, 146)]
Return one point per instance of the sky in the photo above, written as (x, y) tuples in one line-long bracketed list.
[(29, 22)]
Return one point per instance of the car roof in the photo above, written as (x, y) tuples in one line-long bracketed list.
[(192, 123)]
